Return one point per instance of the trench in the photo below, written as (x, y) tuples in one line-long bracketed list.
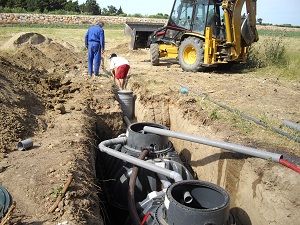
[(240, 175), (111, 210)]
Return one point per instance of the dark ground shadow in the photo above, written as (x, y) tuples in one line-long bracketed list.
[(241, 216), (217, 156)]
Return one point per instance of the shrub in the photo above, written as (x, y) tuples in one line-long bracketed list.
[(274, 51), (136, 15), (12, 10), (271, 51), (253, 58)]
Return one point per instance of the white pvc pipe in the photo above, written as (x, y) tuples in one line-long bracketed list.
[(165, 182), (290, 124), (187, 197), (138, 162), (220, 144)]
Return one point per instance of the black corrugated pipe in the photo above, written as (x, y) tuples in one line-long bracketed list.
[(243, 115)]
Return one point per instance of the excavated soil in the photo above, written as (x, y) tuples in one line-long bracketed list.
[(45, 95)]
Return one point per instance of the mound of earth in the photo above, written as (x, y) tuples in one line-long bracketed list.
[(24, 38), (44, 96)]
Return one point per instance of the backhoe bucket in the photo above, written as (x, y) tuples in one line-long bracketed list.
[(140, 32)]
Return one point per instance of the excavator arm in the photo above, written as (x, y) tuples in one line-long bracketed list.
[(240, 32), (251, 11)]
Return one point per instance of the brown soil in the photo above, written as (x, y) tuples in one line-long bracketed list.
[(45, 95)]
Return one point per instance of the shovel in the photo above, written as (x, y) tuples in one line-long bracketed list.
[(104, 69)]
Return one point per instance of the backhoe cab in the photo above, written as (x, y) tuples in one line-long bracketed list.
[(205, 33)]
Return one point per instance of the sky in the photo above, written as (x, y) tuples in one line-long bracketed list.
[(270, 11)]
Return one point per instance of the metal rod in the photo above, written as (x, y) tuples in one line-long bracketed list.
[(220, 144)]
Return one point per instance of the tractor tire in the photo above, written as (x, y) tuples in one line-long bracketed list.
[(154, 54), (191, 54)]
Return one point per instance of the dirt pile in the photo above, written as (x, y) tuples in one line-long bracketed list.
[(44, 96), (27, 80), (17, 96)]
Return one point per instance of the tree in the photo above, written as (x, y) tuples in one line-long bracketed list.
[(104, 12), (45, 5), (56, 5), (10, 3), (112, 10), (20, 4), (92, 6), (3, 2), (259, 20), (33, 5), (120, 11), (82, 8), (159, 16), (72, 6)]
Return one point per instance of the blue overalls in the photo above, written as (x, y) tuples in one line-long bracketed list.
[(95, 41)]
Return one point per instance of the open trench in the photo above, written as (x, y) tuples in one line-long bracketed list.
[(259, 190)]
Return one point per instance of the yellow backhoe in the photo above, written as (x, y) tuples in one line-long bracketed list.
[(205, 33)]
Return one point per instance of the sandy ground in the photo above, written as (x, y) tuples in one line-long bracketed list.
[(45, 95)]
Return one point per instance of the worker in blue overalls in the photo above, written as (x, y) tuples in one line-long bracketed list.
[(95, 43)]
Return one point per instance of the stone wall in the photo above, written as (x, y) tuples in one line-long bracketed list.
[(22, 18)]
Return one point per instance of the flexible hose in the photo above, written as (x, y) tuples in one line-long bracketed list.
[(145, 218), (289, 165), (131, 199)]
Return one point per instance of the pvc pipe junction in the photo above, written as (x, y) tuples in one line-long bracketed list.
[(144, 164)]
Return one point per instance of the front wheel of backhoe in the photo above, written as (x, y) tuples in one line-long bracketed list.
[(191, 54), (154, 54)]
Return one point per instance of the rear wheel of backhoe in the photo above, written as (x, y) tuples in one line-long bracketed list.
[(191, 54), (154, 53)]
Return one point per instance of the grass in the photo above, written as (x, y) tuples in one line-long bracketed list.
[(295, 34), (276, 54), (58, 191), (73, 34)]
